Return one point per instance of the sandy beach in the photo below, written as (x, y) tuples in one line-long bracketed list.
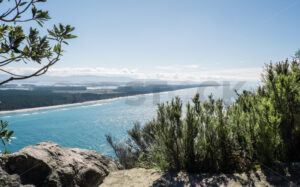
[(47, 107)]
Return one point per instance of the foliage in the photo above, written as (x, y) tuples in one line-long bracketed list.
[(260, 127), (127, 157), (5, 135), (17, 46), (20, 46)]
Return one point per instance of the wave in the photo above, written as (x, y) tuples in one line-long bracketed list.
[(26, 114), (6, 117)]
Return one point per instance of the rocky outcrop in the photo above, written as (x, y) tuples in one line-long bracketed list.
[(48, 164)]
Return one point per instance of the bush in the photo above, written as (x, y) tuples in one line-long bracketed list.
[(259, 127), (5, 135)]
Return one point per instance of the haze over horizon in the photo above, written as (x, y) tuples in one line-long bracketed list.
[(175, 40)]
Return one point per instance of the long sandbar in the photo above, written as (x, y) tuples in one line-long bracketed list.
[(80, 103)]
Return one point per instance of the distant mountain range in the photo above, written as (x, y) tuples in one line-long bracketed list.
[(46, 79), (90, 79)]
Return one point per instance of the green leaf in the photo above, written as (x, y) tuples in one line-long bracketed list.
[(23, 3), (10, 133), (51, 33), (71, 36), (26, 49), (33, 11), (56, 29), (61, 27), (40, 23)]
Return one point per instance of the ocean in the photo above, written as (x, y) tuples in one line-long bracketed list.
[(85, 126)]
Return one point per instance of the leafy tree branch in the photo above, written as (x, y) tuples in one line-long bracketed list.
[(17, 46)]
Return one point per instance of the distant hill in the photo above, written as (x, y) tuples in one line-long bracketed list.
[(88, 79), (47, 79)]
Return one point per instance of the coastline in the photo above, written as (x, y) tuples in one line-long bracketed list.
[(81, 103), (47, 107)]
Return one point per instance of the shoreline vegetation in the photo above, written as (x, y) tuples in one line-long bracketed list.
[(21, 110)]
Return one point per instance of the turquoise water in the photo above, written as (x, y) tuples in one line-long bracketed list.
[(85, 125)]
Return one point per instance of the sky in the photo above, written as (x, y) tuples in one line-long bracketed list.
[(176, 39)]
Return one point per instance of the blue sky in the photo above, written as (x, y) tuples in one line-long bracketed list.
[(177, 39)]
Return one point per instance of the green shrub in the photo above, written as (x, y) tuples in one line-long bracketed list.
[(5, 135), (259, 127)]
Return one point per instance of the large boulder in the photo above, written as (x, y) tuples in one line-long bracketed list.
[(48, 164)]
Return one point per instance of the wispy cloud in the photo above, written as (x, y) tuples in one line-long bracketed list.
[(177, 67), (175, 73)]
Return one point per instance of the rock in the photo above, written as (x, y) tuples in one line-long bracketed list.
[(48, 164)]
